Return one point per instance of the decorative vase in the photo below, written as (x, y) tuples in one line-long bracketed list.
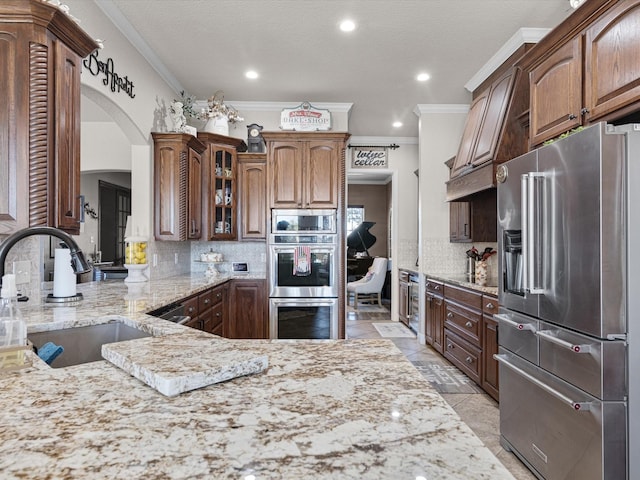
[(219, 125), (481, 272)]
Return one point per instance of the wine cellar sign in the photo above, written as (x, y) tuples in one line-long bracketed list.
[(369, 157), (115, 82), (305, 117)]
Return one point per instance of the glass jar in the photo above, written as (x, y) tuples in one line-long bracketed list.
[(135, 252)]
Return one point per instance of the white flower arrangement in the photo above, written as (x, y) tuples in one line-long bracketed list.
[(216, 108)]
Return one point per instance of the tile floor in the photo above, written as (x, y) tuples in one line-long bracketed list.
[(479, 411)]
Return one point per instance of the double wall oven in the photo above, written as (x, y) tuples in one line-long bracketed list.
[(303, 276)]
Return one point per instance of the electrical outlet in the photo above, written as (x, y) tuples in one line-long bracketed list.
[(155, 259), (22, 271), (176, 258)]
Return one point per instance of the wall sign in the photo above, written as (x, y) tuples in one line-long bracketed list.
[(305, 117), (111, 79), (369, 157)]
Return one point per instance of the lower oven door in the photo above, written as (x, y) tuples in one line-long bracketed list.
[(319, 280), (559, 430), (303, 318)]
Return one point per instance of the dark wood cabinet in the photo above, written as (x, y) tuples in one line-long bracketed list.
[(42, 49), (490, 383), (248, 316), (208, 309), (177, 186), (556, 93), (585, 70), (252, 206), (219, 189), (475, 220), (434, 315), (304, 169)]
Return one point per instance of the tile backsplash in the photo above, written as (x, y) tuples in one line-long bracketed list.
[(443, 257)]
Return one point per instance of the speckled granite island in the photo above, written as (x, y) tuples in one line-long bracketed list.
[(352, 409)]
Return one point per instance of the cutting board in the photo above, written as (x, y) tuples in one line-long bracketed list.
[(174, 364)]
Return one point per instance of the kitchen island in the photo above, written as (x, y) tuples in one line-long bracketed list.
[(323, 409)]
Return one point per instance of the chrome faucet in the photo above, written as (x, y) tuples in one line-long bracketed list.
[(78, 262)]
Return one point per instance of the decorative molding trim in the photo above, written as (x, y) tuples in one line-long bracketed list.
[(522, 36), (440, 108), (122, 24)]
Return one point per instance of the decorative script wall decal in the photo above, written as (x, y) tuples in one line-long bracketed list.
[(111, 79)]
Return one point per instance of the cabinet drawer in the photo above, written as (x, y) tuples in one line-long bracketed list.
[(464, 322), (191, 306), (465, 296), (489, 304), (217, 294), (462, 354), (205, 301), (434, 287)]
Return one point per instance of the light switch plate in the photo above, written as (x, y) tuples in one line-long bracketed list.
[(22, 271)]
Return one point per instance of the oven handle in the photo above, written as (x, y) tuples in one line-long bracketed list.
[(516, 325), (303, 301), (577, 406), (546, 335), (312, 247)]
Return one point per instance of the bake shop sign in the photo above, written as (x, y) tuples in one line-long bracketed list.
[(369, 157), (115, 82), (305, 118)]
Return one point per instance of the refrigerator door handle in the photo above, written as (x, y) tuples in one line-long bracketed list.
[(577, 406), (516, 325), (548, 335), (531, 234)]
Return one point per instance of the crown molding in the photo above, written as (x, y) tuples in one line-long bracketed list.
[(278, 106), (122, 24), (522, 36), (440, 108)]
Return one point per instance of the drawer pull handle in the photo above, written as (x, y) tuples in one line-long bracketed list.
[(490, 306), (548, 335), (469, 360), (468, 324), (450, 346), (206, 302), (218, 314), (449, 315)]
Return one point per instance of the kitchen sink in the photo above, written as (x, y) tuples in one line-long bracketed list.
[(84, 344)]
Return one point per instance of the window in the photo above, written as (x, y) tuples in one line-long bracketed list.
[(355, 216)]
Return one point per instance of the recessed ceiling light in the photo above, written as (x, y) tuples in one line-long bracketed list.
[(252, 74), (347, 26), (397, 124), (423, 77)]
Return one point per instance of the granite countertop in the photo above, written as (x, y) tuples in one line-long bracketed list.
[(323, 408), (462, 281)]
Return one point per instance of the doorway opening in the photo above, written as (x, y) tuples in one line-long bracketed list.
[(115, 207)]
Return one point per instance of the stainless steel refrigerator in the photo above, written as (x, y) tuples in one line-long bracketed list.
[(569, 288)]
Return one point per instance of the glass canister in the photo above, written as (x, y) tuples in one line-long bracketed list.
[(135, 251)]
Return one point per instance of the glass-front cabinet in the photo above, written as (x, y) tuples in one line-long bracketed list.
[(220, 200)]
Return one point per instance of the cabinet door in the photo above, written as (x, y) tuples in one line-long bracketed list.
[(194, 192), (321, 176), (252, 208), (459, 222), (170, 178), (556, 93), (469, 135), (494, 118), (248, 310), (222, 197), (403, 305), (285, 174), (67, 146), (612, 60), (489, 348)]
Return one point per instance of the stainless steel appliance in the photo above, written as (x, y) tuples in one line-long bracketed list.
[(413, 312), (173, 312), (568, 221), (303, 277)]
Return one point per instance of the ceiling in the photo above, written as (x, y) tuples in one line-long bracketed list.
[(300, 54)]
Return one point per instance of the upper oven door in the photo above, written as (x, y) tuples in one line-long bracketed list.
[(317, 279), (288, 221)]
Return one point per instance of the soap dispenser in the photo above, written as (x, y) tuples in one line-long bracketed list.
[(13, 329)]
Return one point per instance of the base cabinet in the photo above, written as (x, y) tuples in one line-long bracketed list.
[(490, 382), (434, 320), (248, 316)]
